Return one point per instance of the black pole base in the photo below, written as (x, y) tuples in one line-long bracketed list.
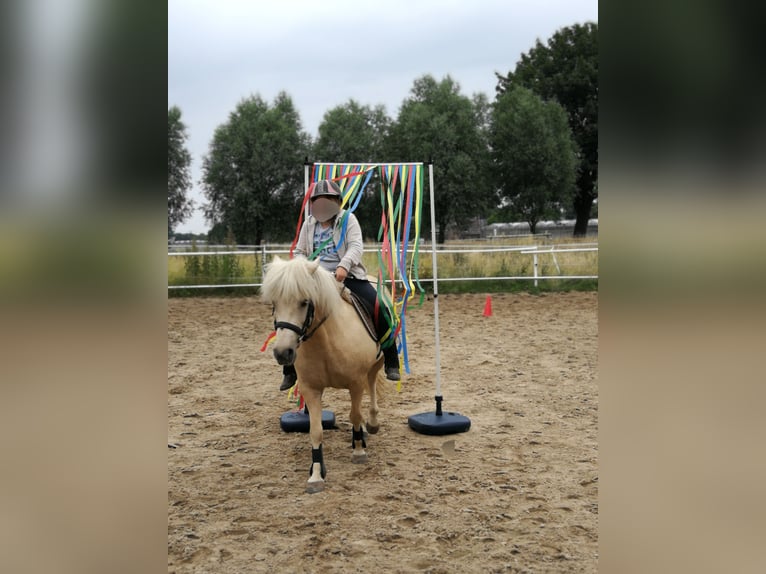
[(298, 421), (439, 422)]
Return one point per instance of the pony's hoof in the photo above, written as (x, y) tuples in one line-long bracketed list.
[(314, 487), (373, 429), (359, 458)]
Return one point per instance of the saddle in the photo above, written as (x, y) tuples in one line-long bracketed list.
[(361, 310)]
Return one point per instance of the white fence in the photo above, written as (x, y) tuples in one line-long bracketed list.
[(534, 251)]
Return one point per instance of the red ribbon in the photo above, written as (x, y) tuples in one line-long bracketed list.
[(268, 340)]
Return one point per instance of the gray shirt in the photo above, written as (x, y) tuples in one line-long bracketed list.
[(350, 251), (328, 256)]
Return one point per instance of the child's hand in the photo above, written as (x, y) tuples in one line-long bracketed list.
[(340, 274)]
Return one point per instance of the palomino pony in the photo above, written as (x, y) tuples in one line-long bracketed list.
[(335, 349)]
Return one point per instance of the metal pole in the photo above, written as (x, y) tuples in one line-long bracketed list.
[(263, 261), (305, 186), (534, 255), (368, 164), (436, 290)]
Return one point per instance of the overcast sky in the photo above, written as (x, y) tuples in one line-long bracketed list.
[(324, 52)]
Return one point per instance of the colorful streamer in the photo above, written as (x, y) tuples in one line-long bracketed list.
[(268, 340), (401, 202)]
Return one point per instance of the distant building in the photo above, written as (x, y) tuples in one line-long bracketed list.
[(562, 228)]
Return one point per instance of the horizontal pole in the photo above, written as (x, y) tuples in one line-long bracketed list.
[(541, 251), (214, 286), (187, 243), (366, 164), (523, 250), (370, 244), (372, 250), (182, 253), (492, 250), (521, 278), (513, 278)]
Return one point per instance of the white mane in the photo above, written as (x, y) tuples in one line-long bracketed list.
[(298, 279)]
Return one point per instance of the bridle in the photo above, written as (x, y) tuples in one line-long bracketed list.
[(302, 331)]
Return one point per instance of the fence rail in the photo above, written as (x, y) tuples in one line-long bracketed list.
[(535, 251)]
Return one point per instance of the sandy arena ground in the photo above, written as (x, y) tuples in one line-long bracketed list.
[(517, 493)]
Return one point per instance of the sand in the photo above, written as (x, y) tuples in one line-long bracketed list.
[(516, 493)]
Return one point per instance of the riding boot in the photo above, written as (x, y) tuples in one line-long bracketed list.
[(290, 377), (391, 363)]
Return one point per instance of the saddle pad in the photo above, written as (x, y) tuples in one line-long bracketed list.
[(361, 310)]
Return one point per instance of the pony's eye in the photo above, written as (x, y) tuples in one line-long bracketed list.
[(304, 302)]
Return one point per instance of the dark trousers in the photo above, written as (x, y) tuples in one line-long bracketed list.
[(369, 295)]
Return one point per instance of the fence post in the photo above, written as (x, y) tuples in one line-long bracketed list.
[(534, 255), (263, 260)]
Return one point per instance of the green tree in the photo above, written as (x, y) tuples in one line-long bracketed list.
[(483, 113), (218, 234), (437, 122), (534, 155), (179, 175), (354, 133), (566, 69), (253, 172)]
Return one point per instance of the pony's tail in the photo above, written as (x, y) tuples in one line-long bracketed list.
[(381, 384)]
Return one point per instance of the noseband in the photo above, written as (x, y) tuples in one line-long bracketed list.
[(302, 332)]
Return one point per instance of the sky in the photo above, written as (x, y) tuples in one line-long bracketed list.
[(325, 52)]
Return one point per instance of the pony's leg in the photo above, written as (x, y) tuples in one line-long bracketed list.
[(318, 471), (372, 421), (357, 434)]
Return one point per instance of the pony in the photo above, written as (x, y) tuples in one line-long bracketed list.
[(320, 332)]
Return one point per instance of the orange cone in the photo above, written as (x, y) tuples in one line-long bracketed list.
[(488, 307)]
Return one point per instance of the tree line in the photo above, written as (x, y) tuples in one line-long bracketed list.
[(530, 155)]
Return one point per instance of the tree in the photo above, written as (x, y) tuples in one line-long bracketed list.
[(566, 68), (534, 155), (354, 133), (437, 122), (218, 234), (253, 172), (179, 174)]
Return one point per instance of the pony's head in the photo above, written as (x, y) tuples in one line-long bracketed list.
[(301, 293)]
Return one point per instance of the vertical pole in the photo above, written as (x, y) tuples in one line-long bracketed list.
[(535, 266), (263, 260), (436, 291), (306, 186)]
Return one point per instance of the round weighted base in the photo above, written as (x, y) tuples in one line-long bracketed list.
[(298, 421), (439, 424)]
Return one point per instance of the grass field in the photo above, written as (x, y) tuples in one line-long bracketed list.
[(243, 269)]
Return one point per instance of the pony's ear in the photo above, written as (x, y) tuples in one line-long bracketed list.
[(313, 266), (276, 259)]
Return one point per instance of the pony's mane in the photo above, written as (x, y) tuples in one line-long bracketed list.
[(298, 279)]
